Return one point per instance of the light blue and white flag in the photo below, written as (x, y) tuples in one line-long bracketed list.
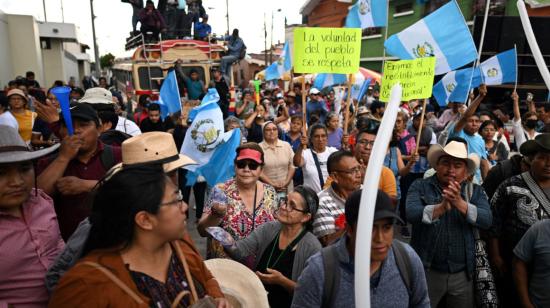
[(169, 98), (454, 86), (500, 69), (205, 136), (367, 14), (443, 34), (328, 80), (279, 67), (362, 90)]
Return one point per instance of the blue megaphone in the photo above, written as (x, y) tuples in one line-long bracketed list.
[(62, 95)]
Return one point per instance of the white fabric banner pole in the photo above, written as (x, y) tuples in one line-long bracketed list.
[(517, 68), (385, 35), (543, 69), (368, 199), (478, 61)]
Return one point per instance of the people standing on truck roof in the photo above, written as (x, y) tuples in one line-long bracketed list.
[(234, 48), (151, 21), (202, 29), (137, 5)]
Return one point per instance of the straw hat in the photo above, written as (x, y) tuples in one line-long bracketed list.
[(241, 287), (455, 149), (153, 147), (13, 149)]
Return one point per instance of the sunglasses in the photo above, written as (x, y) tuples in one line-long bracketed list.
[(252, 165)]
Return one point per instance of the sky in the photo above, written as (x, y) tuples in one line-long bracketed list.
[(113, 19)]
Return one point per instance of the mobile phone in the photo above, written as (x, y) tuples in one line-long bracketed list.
[(529, 96)]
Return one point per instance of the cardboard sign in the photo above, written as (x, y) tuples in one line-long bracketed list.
[(327, 50), (415, 76)]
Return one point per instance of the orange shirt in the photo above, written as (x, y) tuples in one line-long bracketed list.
[(25, 121)]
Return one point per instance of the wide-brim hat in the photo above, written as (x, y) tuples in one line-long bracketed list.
[(240, 285), (454, 149), (153, 147), (97, 96), (541, 143), (13, 149)]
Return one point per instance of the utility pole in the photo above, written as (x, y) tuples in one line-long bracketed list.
[(44, 5), (265, 41), (62, 13), (227, 15), (271, 46), (96, 50)]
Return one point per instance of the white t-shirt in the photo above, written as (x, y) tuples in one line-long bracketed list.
[(311, 176), (520, 135), (128, 126), (8, 119)]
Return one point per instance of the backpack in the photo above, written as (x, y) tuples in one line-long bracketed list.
[(242, 52), (332, 277)]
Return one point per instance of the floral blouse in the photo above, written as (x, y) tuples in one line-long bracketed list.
[(237, 221)]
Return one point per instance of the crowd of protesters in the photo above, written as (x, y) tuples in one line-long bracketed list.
[(98, 218)]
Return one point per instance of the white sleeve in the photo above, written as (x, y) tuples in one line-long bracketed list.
[(519, 133)]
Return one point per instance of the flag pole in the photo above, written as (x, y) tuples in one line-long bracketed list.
[(385, 35), (419, 132), (478, 61), (304, 118), (348, 99), (516, 83)]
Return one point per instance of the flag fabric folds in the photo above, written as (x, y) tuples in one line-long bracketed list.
[(279, 67), (443, 34), (206, 143), (454, 86), (500, 68), (328, 80), (367, 14), (169, 98)]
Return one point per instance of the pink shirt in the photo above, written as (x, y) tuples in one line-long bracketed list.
[(28, 246)]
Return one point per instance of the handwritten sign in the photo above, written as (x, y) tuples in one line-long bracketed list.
[(415, 76), (327, 50)]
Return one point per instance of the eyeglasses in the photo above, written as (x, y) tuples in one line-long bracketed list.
[(252, 165), (365, 143), (356, 170), (290, 207), (178, 201)]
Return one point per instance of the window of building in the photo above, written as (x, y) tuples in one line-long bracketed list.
[(371, 31), (45, 43), (497, 8), (403, 9)]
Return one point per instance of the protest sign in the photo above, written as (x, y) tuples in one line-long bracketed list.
[(327, 50), (415, 76)]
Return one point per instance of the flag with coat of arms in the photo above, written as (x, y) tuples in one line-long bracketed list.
[(443, 34), (498, 69), (279, 67), (454, 86), (367, 14), (207, 144)]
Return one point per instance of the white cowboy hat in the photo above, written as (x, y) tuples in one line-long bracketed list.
[(455, 149), (13, 149), (241, 287)]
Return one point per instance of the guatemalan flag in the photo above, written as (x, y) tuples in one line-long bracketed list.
[(169, 97), (367, 14), (499, 69), (207, 144), (454, 86), (279, 67), (443, 34), (327, 80)]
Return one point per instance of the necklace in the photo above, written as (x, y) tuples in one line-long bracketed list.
[(288, 247)]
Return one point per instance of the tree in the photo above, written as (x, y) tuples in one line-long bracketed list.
[(107, 60)]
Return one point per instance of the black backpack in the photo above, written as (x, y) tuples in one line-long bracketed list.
[(242, 52), (332, 271)]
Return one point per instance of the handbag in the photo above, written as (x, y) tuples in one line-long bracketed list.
[(485, 289)]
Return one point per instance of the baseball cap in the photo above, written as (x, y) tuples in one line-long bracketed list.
[(83, 112), (383, 208), (314, 91)]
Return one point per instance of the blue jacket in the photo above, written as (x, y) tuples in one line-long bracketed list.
[(235, 46), (202, 30), (425, 193)]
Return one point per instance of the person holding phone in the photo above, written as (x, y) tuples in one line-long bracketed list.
[(242, 204)]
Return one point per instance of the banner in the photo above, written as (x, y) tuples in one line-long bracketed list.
[(327, 50), (415, 76)]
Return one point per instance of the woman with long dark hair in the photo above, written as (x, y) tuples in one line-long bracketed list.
[(137, 252)]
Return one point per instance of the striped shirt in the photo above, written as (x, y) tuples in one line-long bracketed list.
[(331, 205)]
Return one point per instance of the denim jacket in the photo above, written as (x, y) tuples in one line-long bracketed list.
[(423, 195)]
